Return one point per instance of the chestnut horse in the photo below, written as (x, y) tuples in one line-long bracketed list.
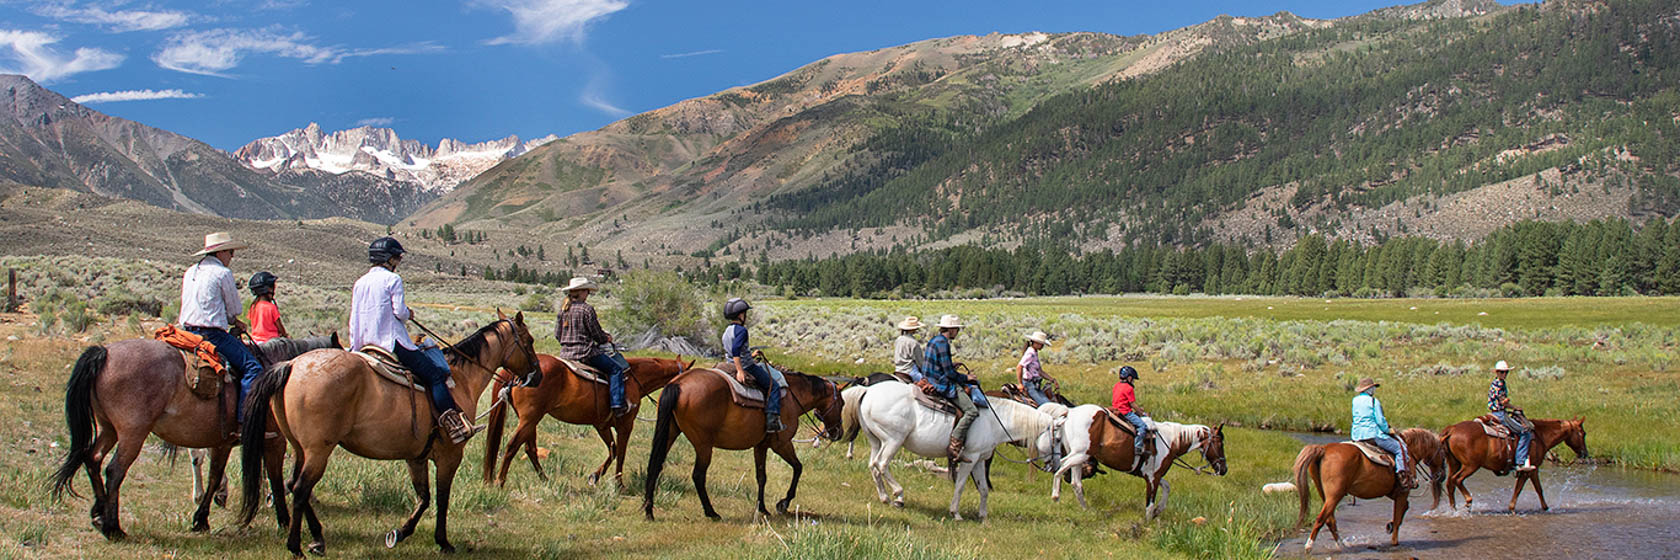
[(573, 400), (1469, 449), (697, 404), (327, 399), (1341, 469)]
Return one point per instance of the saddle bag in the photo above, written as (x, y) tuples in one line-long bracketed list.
[(205, 372)]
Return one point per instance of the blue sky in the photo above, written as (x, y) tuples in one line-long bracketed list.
[(227, 72)]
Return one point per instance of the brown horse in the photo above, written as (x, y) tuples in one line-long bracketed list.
[(1469, 448), (573, 400), (697, 404), (134, 388), (1341, 469), (331, 398)]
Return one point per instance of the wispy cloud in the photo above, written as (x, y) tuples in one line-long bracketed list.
[(118, 21), (548, 21), (691, 53), (31, 54), (134, 95), (376, 121), (216, 51), (594, 100)]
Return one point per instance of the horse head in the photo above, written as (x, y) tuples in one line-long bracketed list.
[(1575, 435), (525, 359), (1213, 449), (830, 402)]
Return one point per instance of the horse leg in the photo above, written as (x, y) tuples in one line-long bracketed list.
[(1326, 516), (964, 470), (128, 449), (447, 464), (759, 453), (1150, 488), (1161, 502), (1075, 459), (102, 444), (1521, 480), (198, 474), (876, 469), (881, 462), (625, 426), (310, 466), (218, 470), (702, 461), (605, 432), (417, 476), (785, 450), (984, 485), (1468, 499), (524, 436), (276, 457), (1400, 507), (1542, 493)]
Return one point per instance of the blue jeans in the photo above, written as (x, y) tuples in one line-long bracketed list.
[(428, 365), (238, 356), (1032, 389), (915, 374), (1393, 447), (978, 396), (1524, 436), (772, 390), (615, 377), (1136, 421)]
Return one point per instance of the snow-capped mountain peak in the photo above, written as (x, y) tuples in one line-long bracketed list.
[(381, 152)]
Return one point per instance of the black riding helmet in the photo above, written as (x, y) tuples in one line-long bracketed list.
[(384, 249), (735, 307), (262, 283), (1126, 372)]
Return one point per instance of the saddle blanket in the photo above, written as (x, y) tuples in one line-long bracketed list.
[(743, 395), (1117, 421), (1493, 427), (583, 371), (936, 404), (1374, 453), (386, 365)]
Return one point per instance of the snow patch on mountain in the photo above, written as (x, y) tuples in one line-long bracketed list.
[(379, 151)]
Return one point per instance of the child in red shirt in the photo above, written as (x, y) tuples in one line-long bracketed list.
[(264, 314), (1125, 400)]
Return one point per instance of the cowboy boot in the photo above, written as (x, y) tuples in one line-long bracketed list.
[(772, 424), (455, 426), (954, 450), (1408, 481)]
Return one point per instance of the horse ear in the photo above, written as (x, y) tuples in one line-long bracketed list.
[(519, 317), (499, 314)]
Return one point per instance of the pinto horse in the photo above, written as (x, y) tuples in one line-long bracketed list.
[(1090, 435), (1469, 448), (1341, 469), (697, 404), (574, 400), (327, 399)]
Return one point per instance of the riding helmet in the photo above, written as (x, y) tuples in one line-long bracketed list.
[(384, 249), (262, 283), (735, 307), (1126, 372)]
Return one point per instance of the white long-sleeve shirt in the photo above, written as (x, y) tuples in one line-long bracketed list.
[(377, 311), (209, 297)]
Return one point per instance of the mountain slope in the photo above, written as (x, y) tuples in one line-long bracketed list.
[(378, 151)]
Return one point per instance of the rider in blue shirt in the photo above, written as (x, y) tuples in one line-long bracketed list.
[(738, 352), (1499, 403), (1370, 425)]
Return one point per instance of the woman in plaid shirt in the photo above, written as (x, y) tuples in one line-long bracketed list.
[(580, 335)]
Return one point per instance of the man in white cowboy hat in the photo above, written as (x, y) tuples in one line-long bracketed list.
[(579, 331), (947, 382), (1499, 403), (1029, 372), (210, 307), (907, 351), (1370, 425)]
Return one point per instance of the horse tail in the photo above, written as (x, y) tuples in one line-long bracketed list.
[(252, 439), (1306, 467), (663, 432), (78, 415), (849, 414), (493, 430)]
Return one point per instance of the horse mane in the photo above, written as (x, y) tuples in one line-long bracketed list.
[(1018, 413), (1175, 433), (472, 345)]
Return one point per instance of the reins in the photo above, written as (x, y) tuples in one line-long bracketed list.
[(503, 396)]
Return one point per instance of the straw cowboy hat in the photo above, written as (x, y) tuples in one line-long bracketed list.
[(1039, 337), (1366, 384), (949, 322), (910, 323), (580, 283), (1501, 366), (219, 241)]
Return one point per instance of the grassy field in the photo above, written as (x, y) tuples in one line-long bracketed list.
[(1203, 360)]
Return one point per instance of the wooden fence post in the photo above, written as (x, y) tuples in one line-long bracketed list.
[(11, 291)]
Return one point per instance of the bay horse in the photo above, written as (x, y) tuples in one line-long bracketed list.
[(892, 419), (1091, 436), (1469, 448), (133, 388), (697, 404), (1341, 469), (327, 399), (574, 400), (1014, 392)]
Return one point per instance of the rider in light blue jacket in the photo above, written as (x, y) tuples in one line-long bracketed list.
[(1370, 425)]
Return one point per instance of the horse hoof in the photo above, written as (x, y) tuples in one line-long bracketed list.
[(898, 504), (201, 527), (393, 537), (594, 478), (115, 535), (782, 507), (446, 548), (714, 516), (318, 549)]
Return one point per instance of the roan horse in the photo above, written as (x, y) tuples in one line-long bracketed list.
[(574, 400), (697, 404), (892, 418), (133, 388), (1091, 435), (331, 398), (1341, 469), (1468, 448)]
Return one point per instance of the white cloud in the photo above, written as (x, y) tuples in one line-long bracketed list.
[(376, 121), (216, 51), (691, 53), (548, 21), (595, 101), (134, 95), (118, 21), (32, 55)]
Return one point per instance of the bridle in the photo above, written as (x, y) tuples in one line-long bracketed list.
[(506, 392), (1213, 435)]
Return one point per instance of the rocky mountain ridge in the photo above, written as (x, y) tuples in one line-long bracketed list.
[(380, 152)]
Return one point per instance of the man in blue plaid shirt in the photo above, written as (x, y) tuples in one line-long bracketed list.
[(942, 373), (1499, 403)]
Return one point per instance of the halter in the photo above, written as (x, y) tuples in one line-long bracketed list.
[(1203, 448)]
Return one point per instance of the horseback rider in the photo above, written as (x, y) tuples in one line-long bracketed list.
[(1029, 372), (264, 314), (907, 354), (947, 382), (739, 352), (210, 308), (580, 335), (1499, 403), (1370, 425), (1125, 406), (377, 313)]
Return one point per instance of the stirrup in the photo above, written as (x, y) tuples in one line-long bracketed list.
[(455, 426), (773, 424), (954, 450)]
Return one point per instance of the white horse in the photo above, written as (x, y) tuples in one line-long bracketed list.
[(891, 419), (1113, 449), (852, 397)]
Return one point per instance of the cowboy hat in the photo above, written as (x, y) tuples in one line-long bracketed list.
[(1366, 384), (219, 241), (949, 322), (910, 323), (580, 283), (1039, 337), (1501, 366)]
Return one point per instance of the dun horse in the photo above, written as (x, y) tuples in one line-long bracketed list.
[(331, 398), (1469, 448), (1341, 469), (573, 400), (270, 352), (697, 404), (1090, 435)]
